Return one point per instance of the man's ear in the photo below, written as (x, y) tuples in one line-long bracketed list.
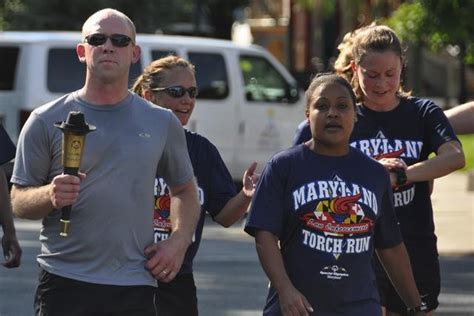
[(136, 53), (81, 52)]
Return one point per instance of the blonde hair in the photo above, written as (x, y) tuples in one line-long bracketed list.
[(342, 65), (153, 74)]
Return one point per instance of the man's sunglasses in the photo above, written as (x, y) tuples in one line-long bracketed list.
[(97, 39), (178, 91)]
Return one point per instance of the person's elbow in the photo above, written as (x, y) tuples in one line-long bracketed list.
[(455, 154), (462, 161), (458, 160), (188, 190), (19, 209), (223, 220)]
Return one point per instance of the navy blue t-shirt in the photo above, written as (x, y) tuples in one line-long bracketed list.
[(7, 148), (412, 131), (303, 133), (215, 189), (328, 213)]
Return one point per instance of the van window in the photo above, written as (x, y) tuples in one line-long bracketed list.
[(211, 75), (157, 54), (66, 73), (9, 58), (264, 83)]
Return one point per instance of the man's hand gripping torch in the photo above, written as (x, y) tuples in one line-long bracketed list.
[(74, 131)]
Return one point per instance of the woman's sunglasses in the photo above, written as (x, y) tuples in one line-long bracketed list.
[(97, 39), (178, 91)]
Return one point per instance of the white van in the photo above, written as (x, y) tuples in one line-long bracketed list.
[(248, 105)]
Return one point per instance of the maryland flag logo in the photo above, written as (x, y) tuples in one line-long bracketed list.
[(339, 216), (392, 154), (161, 218)]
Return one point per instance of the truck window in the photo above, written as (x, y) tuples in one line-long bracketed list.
[(263, 83), (211, 75), (66, 73), (9, 58), (157, 54)]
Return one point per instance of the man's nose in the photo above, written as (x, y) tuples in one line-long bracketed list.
[(108, 46)]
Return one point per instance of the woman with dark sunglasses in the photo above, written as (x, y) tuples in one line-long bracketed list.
[(170, 82)]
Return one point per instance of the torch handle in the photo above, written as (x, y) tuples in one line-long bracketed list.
[(65, 221), (66, 210)]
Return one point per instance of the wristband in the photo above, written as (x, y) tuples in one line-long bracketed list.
[(401, 176), (421, 308)]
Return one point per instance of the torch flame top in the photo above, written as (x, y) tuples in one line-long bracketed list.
[(75, 123)]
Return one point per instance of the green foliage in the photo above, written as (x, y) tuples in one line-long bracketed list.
[(436, 23), (70, 14), (307, 4), (468, 147), (328, 7), (408, 21), (148, 16), (7, 9)]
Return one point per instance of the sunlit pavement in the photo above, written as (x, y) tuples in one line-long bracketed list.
[(231, 282)]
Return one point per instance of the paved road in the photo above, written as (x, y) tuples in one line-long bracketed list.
[(231, 282)]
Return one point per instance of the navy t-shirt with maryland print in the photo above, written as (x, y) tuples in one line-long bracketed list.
[(328, 213), (215, 189), (412, 131)]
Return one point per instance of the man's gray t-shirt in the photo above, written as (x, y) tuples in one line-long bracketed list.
[(111, 222)]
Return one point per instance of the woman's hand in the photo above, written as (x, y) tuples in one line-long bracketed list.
[(293, 303), (392, 163)]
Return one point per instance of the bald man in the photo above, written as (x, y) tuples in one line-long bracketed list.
[(108, 265)]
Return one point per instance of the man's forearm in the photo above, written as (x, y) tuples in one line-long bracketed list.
[(31, 202)]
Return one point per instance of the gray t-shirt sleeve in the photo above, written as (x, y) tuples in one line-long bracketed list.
[(33, 157), (175, 166)]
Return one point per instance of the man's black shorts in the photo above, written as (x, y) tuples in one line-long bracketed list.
[(178, 297), (59, 296)]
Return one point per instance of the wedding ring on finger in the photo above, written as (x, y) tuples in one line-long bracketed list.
[(164, 272)]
